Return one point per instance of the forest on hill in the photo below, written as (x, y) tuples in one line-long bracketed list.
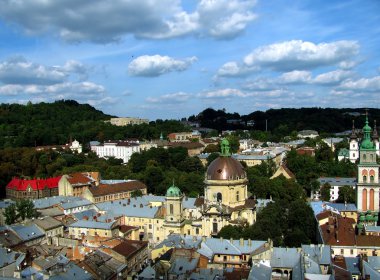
[(56, 123), (286, 120)]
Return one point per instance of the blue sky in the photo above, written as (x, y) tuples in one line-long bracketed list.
[(171, 59)]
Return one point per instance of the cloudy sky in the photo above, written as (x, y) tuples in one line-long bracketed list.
[(172, 58)]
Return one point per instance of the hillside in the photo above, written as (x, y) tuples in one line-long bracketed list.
[(55, 123), (328, 120)]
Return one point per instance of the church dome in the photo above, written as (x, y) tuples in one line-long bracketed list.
[(173, 191), (225, 168)]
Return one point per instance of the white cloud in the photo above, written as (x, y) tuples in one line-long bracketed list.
[(260, 84), (222, 93), (300, 55), (20, 71), (333, 77), (363, 84), (107, 21), (172, 98), (156, 65), (295, 77), (234, 69)]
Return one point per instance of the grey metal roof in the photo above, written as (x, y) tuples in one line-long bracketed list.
[(352, 264), (181, 241), (338, 181), (134, 209), (319, 253), (183, 265), (6, 203), (372, 228), (343, 206), (92, 224), (54, 200), (27, 232), (374, 262), (72, 271), (260, 272), (76, 203)]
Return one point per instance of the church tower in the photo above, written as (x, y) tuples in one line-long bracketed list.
[(354, 145), (174, 218), (368, 174), (375, 139)]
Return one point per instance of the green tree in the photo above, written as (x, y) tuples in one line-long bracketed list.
[(231, 231), (25, 209), (10, 214), (325, 192), (136, 193), (346, 194)]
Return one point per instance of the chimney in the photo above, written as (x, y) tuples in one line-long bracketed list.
[(231, 240), (241, 242), (249, 242), (221, 239)]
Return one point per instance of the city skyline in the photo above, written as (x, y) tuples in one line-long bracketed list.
[(171, 59)]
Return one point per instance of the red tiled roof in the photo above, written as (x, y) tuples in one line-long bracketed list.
[(130, 247), (79, 179), (104, 189), (36, 184), (339, 231)]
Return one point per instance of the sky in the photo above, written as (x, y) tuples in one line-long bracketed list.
[(168, 59)]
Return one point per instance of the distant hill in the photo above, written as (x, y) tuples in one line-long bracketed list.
[(45, 123), (327, 120), (56, 123)]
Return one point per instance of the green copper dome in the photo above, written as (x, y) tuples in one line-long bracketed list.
[(367, 143), (173, 191), (225, 148)]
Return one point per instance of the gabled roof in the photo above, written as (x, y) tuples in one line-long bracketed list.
[(105, 189), (130, 247), (36, 184)]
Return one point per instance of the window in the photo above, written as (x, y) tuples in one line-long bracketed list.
[(197, 230), (237, 196), (372, 179), (171, 209), (364, 179), (342, 251), (219, 197)]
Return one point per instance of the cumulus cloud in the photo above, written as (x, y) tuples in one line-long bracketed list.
[(300, 55), (234, 69), (156, 65), (222, 93), (363, 84), (295, 77), (333, 77), (82, 20), (172, 98), (18, 70)]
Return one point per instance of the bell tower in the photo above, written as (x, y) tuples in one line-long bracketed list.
[(368, 174), (174, 218), (354, 144)]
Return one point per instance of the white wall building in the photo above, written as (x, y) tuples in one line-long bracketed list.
[(118, 149)]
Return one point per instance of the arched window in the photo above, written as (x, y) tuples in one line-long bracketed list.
[(219, 197), (371, 179), (171, 209), (364, 157), (365, 179)]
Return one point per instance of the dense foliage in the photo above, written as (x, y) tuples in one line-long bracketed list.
[(56, 123), (282, 122), (21, 210)]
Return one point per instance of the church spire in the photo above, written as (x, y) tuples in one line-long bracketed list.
[(375, 136), (353, 133), (366, 142)]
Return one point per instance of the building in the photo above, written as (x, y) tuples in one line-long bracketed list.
[(84, 228), (116, 149), (355, 140), (110, 192), (132, 253), (336, 183), (307, 134), (368, 173), (128, 121), (180, 136), (193, 148), (75, 184), (32, 189)]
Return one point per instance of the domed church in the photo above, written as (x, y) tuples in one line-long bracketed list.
[(225, 202)]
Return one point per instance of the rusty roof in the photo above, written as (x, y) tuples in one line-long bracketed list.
[(105, 189), (225, 168)]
